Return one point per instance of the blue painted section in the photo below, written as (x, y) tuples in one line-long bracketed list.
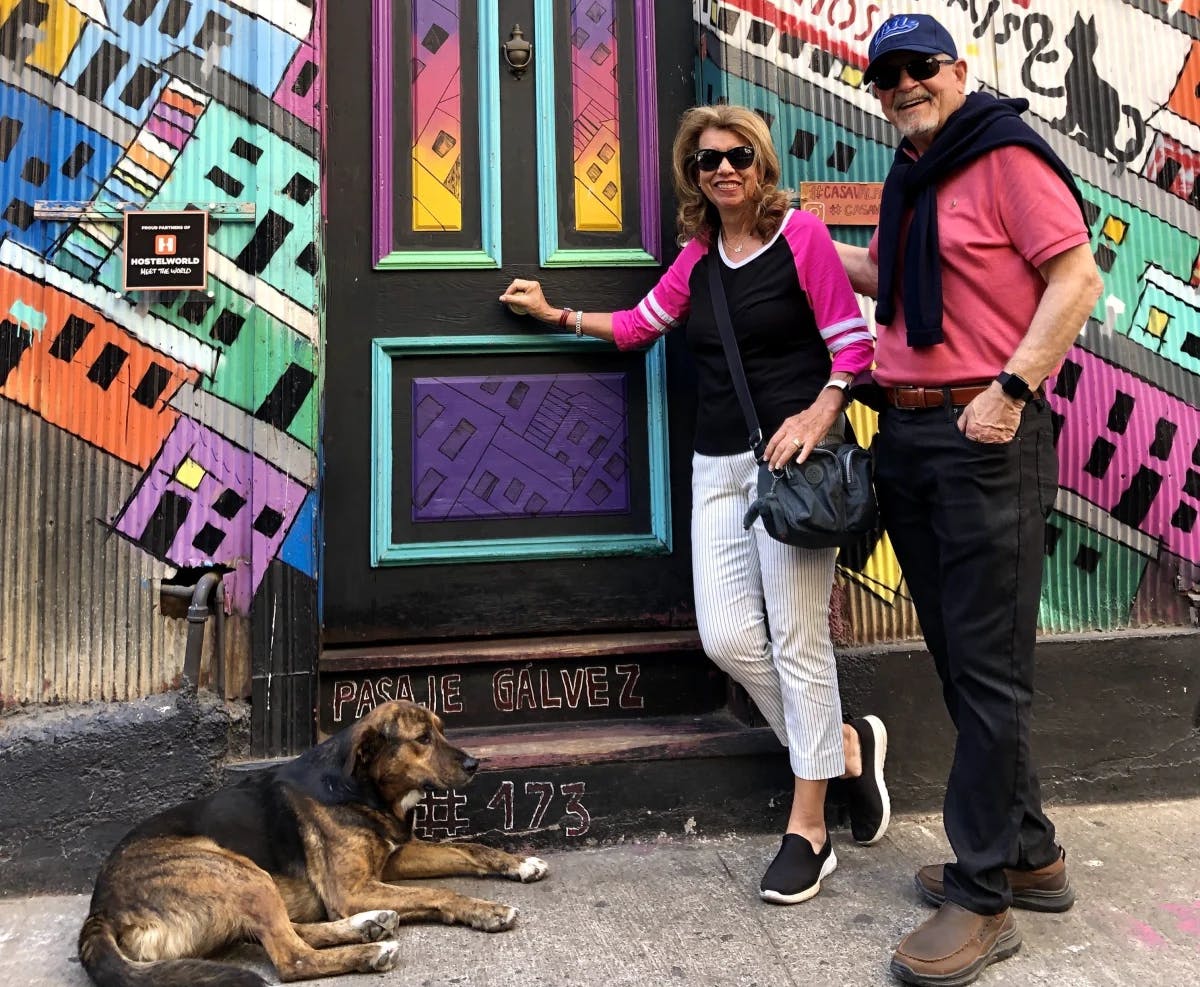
[(37, 121), (251, 50), (298, 549)]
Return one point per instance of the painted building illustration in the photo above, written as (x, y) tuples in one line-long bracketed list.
[(146, 433)]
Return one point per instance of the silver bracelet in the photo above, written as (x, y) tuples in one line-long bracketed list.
[(579, 322)]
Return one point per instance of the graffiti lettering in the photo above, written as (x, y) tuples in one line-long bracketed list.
[(545, 792), (504, 800), (630, 699), (514, 690), (439, 693)]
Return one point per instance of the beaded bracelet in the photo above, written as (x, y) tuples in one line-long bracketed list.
[(579, 323), (562, 318)]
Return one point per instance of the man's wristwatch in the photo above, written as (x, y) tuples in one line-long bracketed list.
[(1015, 386)]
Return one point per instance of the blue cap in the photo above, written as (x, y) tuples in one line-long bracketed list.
[(908, 32)]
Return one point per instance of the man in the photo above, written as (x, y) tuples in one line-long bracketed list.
[(983, 273)]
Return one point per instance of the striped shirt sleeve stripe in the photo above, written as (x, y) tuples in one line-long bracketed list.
[(836, 345), (654, 313)]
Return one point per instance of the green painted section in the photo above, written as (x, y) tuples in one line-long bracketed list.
[(436, 260), (1148, 241), (281, 180), (252, 363), (1183, 329), (1089, 582), (600, 258)]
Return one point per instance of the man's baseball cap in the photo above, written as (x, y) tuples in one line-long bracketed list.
[(908, 32)]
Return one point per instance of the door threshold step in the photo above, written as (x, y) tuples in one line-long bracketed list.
[(717, 734), (500, 650)]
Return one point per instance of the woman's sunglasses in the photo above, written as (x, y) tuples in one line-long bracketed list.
[(709, 158), (919, 69)]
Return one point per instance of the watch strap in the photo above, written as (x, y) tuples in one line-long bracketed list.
[(1015, 386)]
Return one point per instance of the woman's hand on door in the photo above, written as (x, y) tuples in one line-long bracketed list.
[(525, 298)]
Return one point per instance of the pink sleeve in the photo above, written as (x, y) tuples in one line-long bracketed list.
[(667, 304), (1042, 226), (824, 280)]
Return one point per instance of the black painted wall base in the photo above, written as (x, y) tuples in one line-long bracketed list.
[(1116, 718), (73, 781)]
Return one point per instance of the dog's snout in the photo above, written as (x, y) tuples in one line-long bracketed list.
[(470, 764)]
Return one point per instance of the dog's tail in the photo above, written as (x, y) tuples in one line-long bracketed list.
[(109, 967)]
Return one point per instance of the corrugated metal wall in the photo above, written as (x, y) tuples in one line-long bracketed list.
[(1113, 87), (142, 432)]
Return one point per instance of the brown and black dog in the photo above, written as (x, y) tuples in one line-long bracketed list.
[(299, 857)]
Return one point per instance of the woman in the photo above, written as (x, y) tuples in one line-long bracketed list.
[(802, 340)]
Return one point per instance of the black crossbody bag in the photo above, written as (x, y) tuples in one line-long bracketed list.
[(825, 502)]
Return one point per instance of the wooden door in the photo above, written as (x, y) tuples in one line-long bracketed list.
[(483, 476)]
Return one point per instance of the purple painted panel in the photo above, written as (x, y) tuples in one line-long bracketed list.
[(542, 445), (207, 499)]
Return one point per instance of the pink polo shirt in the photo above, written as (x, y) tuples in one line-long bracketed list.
[(993, 237)]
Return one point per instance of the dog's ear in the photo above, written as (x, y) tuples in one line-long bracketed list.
[(366, 744)]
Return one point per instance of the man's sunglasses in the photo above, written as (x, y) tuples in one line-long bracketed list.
[(709, 158), (919, 69)]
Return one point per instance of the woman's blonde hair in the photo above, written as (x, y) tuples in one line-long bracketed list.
[(697, 218)]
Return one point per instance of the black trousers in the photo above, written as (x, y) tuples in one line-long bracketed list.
[(967, 521)]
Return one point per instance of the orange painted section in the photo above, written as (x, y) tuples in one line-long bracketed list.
[(60, 391), (181, 102), (151, 162), (1183, 97)]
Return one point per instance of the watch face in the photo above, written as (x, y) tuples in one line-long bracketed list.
[(1014, 386)]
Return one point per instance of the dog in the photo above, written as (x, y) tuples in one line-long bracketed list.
[(302, 858)]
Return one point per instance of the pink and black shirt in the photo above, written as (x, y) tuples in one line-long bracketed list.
[(794, 315)]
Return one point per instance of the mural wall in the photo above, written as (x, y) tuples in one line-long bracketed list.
[(1114, 89), (141, 432)]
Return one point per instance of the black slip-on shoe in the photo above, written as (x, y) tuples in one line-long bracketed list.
[(796, 873), (867, 795)]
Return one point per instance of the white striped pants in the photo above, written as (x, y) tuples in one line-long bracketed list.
[(762, 608)]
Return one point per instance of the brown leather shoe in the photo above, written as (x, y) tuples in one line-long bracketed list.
[(953, 947), (1047, 889)]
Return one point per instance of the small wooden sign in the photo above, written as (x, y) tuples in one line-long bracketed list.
[(843, 203), (166, 251)]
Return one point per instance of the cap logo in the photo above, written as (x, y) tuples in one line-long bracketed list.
[(893, 26)]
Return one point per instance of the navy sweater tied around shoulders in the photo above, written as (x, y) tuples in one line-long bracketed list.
[(982, 124)]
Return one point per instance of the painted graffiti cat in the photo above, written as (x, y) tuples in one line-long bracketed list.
[(1093, 106)]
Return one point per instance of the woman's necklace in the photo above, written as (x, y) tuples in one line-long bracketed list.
[(740, 246)]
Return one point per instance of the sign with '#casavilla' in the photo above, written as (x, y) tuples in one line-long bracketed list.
[(166, 251), (843, 203)]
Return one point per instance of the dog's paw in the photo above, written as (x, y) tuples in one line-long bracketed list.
[(377, 925), (531, 869), (388, 958), (491, 917)]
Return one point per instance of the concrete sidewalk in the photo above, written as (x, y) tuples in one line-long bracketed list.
[(685, 910)]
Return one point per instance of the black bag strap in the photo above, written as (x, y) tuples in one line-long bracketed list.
[(732, 356)]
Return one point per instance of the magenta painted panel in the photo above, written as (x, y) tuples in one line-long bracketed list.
[(596, 120), (205, 499), (1130, 448), (437, 115), (300, 90)]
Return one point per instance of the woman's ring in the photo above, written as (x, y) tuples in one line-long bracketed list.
[(797, 443)]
